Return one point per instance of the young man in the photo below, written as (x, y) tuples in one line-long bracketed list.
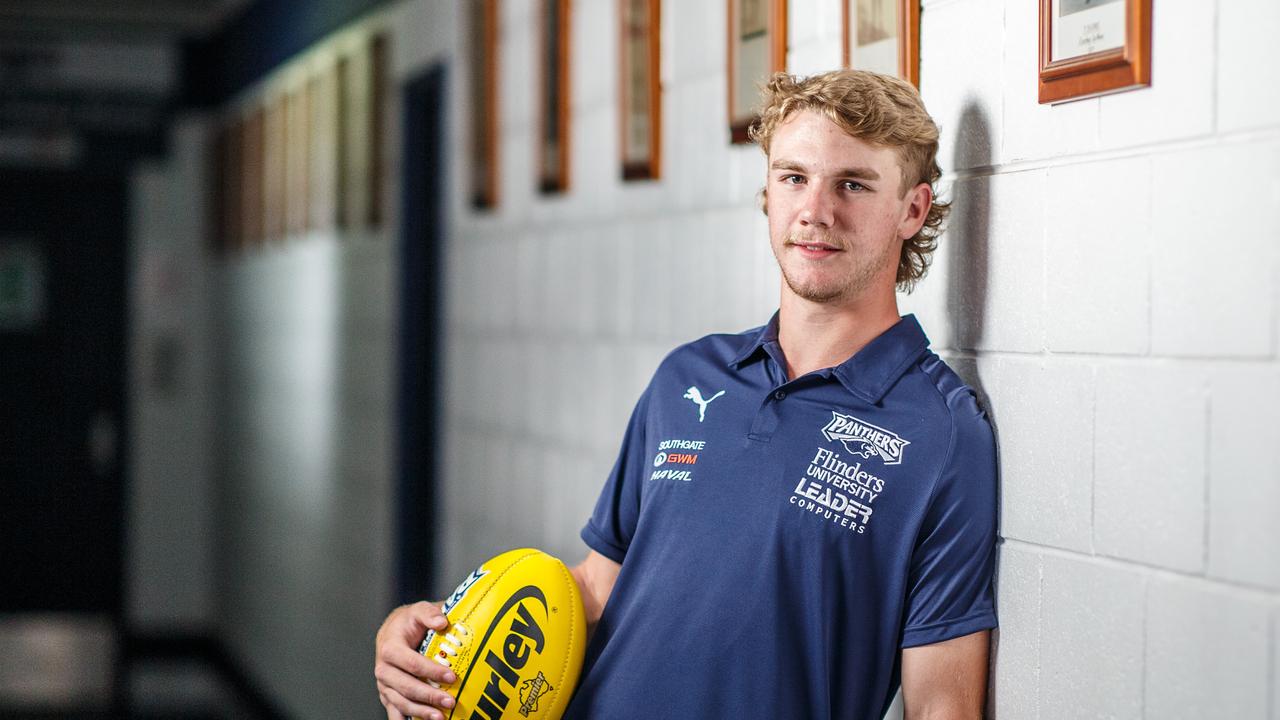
[(802, 516)]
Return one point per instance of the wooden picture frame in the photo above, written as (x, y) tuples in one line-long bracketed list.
[(1093, 47), (757, 45), (640, 89), (275, 181), (297, 159), (553, 147), (483, 56), (375, 166), (882, 36), (251, 185), (322, 183), (342, 150)]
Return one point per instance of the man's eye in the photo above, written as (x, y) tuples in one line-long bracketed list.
[(792, 179), (854, 186)]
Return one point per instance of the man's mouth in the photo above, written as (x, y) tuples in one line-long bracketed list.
[(813, 248)]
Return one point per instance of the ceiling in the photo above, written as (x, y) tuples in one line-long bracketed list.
[(167, 19), (80, 76)]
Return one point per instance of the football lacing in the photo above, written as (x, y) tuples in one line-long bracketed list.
[(450, 646)]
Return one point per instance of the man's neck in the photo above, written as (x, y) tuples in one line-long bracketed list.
[(814, 336)]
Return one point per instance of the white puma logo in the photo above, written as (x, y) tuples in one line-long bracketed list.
[(693, 394)]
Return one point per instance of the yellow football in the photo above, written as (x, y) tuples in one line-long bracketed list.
[(516, 637)]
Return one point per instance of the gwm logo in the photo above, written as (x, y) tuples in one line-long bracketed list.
[(864, 439)]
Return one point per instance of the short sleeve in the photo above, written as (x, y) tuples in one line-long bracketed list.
[(949, 591), (613, 522)]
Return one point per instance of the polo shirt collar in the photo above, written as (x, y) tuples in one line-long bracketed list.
[(870, 372)]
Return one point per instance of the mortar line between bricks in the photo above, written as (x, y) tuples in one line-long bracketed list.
[(1271, 666), (1272, 654), (1254, 592), (1093, 461), (1206, 472), (1216, 62), (1039, 629), (1146, 627), (1197, 142), (1104, 358)]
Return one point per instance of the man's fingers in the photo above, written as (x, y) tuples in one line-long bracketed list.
[(411, 688), (392, 713), (408, 707), (423, 615), (402, 658)]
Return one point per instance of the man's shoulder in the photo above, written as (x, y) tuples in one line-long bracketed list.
[(719, 349), (950, 401)]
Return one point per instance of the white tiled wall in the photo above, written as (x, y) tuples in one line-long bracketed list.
[(1109, 281)]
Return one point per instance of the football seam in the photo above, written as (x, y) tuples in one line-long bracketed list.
[(480, 599), (566, 577)]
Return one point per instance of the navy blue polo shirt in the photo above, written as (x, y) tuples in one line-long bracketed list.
[(781, 540)]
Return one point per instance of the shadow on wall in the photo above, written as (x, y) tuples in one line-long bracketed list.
[(968, 274)]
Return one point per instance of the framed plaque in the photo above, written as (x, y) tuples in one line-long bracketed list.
[(375, 167), (297, 159), (883, 36), (757, 49), (1093, 47), (483, 56), (251, 184), (641, 91), (343, 187), (322, 182), (553, 149), (275, 182)]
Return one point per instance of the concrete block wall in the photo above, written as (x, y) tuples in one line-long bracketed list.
[(1109, 282), (1124, 328)]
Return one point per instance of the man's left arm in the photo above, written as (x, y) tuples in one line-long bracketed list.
[(946, 680)]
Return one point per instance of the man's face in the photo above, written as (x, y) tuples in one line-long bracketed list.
[(837, 217)]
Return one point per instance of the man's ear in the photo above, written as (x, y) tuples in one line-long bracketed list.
[(919, 200), (763, 196)]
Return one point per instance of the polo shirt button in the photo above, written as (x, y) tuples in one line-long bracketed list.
[(779, 394)]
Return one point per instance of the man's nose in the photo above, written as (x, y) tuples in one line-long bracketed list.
[(818, 208)]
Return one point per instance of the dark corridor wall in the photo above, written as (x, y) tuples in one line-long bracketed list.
[(62, 398)]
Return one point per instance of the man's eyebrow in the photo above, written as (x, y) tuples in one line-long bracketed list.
[(858, 173)]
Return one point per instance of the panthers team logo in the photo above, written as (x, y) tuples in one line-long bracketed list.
[(864, 439)]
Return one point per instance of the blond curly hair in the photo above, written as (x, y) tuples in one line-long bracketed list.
[(881, 110)]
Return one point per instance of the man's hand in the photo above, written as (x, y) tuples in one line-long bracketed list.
[(946, 680), (401, 671)]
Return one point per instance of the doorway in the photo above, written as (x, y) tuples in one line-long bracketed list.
[(62, 396), (423, 235)]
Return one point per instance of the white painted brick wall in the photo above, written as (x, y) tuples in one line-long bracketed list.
[(1244, 462), (1245, 69), (1097, 256), (1110, 279), (1091, 639), (1148, 491), (1191, 314), (1206, 652)]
